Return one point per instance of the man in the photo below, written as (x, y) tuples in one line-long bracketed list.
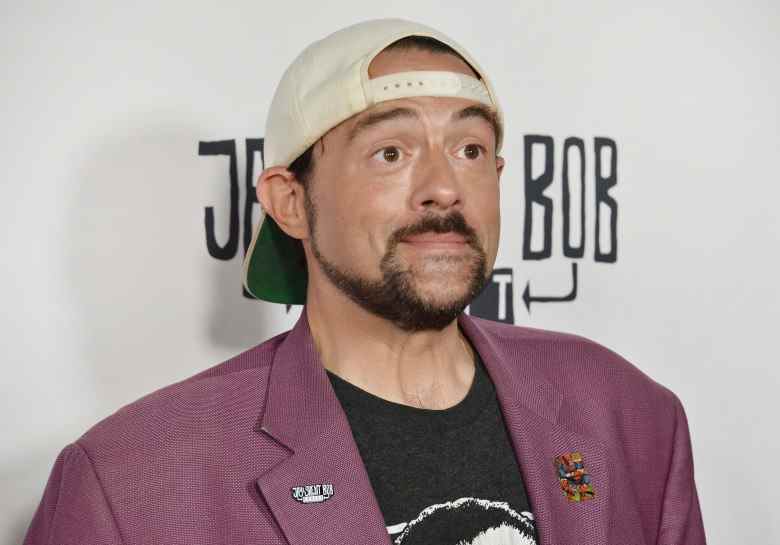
[(386, 414)]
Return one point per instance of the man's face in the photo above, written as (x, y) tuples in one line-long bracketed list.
[(403, 209)]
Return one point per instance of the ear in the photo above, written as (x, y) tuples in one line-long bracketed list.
[(281, 195), (499, 165)]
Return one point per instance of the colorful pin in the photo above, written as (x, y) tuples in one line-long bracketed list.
[(575, 480)]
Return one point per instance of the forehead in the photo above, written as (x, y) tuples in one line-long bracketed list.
[(452, 109), (391, 61)]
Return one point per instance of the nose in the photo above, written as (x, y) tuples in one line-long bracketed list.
[(436, 185)]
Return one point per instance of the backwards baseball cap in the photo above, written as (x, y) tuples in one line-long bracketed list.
[(326, 84)]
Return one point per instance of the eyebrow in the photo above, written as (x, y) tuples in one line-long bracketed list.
[(469, 112)]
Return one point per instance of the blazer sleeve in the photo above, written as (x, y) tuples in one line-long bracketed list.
[(681, 521), (74, 509)]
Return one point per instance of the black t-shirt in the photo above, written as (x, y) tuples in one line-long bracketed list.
[(441, 476)]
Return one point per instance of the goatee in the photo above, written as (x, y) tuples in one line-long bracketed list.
[(394, 297)]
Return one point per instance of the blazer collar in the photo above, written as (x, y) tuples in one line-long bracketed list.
[(304, 414), (301, 403)]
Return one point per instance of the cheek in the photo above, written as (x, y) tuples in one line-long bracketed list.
[(488, 218), (331, 223), (354, 225), (380, 214)]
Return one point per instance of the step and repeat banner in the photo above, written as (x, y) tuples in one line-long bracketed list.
[(639, 207)]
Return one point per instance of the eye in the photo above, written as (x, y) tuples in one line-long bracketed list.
[(389, 154), (473, 151)]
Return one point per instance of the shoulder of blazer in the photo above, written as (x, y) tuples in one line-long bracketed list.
[(586, 372), (231, 390)]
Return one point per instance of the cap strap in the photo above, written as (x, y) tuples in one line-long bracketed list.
[(428, 83)]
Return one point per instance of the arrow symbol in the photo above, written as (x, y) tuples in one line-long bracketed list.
[(528, 298)]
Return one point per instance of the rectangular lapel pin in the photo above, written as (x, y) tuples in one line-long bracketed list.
[(575, 481), (312, 493)]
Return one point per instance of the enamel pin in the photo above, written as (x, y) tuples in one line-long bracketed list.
[(312, 493), (575, 481)]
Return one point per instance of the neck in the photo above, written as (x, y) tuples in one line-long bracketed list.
[(425, 369)]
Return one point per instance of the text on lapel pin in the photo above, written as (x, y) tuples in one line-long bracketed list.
[(312, 493)]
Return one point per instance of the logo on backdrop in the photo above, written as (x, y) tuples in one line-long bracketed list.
[(564, 169)]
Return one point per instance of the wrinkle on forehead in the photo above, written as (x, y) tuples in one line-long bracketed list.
[(371, 119), (403, 60)]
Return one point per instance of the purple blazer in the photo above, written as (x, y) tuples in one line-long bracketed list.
[(213, 459)]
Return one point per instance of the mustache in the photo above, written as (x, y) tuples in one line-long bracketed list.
[(451, 223)]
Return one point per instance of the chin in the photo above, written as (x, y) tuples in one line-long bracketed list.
[(442, 294)]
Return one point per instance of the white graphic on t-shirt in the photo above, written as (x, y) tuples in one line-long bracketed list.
[(475, 521)]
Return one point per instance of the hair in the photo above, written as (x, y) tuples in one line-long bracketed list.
[(303, 165)]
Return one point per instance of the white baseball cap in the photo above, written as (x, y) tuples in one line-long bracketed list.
[(326, 84)]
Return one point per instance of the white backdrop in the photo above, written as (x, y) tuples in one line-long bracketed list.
[(109, 291)]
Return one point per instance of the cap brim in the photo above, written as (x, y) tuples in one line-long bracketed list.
[(275, 266)]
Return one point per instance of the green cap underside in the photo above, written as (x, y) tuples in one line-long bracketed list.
[(277, 266)]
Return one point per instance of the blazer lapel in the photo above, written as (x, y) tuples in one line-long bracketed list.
[(531, 406), (303, 414)]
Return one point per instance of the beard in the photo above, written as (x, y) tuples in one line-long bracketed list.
[(395, 297)]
